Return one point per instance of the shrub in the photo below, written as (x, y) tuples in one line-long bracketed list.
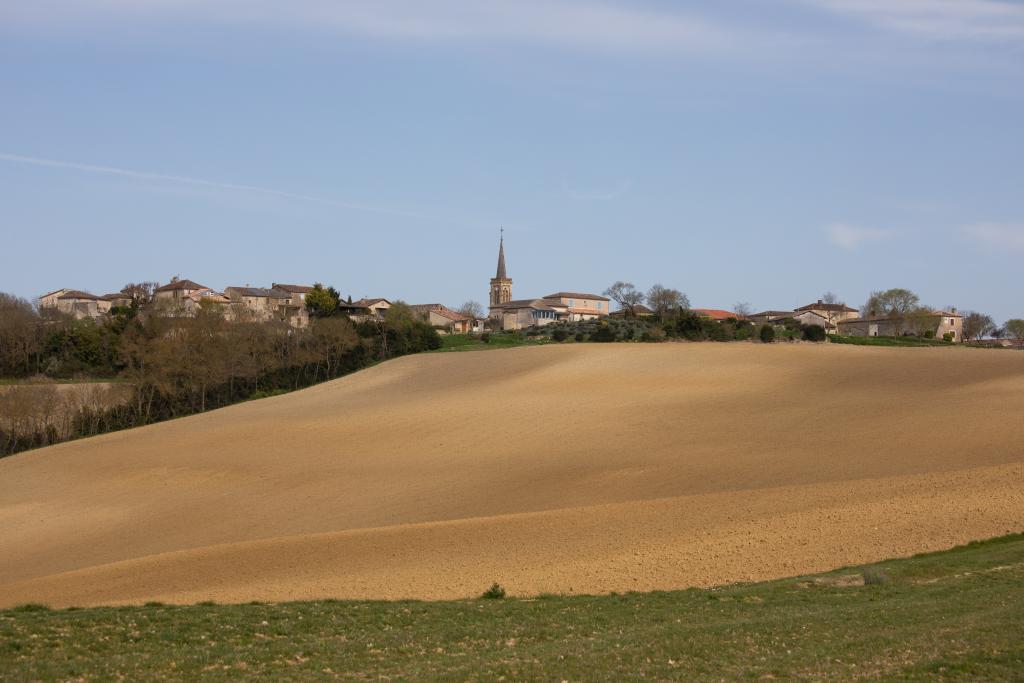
[(929, 334), (495, 592), (874, 576), (579, 336), (655, 334), (560, 334), (767, 333), (814, 333), (485, 337), (31, 607), (743, 333), (949, 336), (604, 333)]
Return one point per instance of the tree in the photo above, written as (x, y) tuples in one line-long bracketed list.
[(665, 301), (626, 296), (141, 293), (977, 325), (472, 309), (1015, 328), (897, 303), (21, 335), (742, 310), (321, 301), (767, 333), (834, 314), (922, 321)]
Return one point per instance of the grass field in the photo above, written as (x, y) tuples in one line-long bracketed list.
[(496, 340), (953, 615), (890, 341)]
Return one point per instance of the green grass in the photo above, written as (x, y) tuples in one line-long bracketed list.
[(889, 341), (498, 340), (955, 615)]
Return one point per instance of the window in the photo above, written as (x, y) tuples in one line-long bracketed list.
[(570, 303)]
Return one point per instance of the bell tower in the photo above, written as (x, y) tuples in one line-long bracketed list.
[(501, 283)]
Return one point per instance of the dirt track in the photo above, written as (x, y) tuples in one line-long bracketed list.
[(580, 468)]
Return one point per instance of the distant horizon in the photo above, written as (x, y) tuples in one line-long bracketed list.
[(746, 153)]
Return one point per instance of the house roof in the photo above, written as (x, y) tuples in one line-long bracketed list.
[(179, 284), (78, 294), (448, 313), (773, 314), (536, 304), (297, 289), (821, 306), (714, 313), (258, 292), (576, 295), (56, 291), (365, 303), (114, 296)]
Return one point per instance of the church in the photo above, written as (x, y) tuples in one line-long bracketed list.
[(519, 314)]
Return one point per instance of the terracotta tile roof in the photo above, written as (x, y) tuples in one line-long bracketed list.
[(714, 313), (56, 291), (77, 294), (297, 289), (114, 296), (180, 284), (821, 306), (364, 303), (258, 292), (576, 295)]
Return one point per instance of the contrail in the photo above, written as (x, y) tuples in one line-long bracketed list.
[(145, 175)]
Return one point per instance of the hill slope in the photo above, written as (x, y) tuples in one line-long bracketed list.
[(577, 468)]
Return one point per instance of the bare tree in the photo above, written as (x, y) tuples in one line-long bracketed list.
[(1015, 328), (834, 312), (472, 309), (666, 301), (626, 296), (743, 310), (977, 325), (140, 292)]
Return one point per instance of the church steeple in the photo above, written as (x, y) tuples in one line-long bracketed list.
[(501, 260), (501, 284)]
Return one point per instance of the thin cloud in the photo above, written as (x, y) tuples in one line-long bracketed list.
[(996, 235), (852, 237), (200, 182), (959, 20), (579, 24)]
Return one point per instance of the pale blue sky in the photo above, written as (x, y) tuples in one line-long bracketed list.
[(745, 151)]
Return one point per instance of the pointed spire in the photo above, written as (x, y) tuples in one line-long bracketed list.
[(501, 258)]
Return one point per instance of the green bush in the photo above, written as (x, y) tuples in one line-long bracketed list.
[(495, 592), (949, 336), (604, 333), (579, 336), (560, 334), (767, 333), (485, 337), (814, 333)]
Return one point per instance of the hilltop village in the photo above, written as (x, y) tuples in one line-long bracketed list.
[(295, 304)]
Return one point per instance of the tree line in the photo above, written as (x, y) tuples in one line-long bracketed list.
[(170, 366)]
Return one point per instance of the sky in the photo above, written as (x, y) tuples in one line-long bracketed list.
[(758, 151)]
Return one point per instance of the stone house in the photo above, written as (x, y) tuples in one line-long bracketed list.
[(444, 318), (175, 291), (832, 313), (580, 306), (79, 304), (264, 305), (49, 300), (939, 323)]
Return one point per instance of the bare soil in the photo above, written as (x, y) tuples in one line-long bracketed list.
[(578, 468)]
